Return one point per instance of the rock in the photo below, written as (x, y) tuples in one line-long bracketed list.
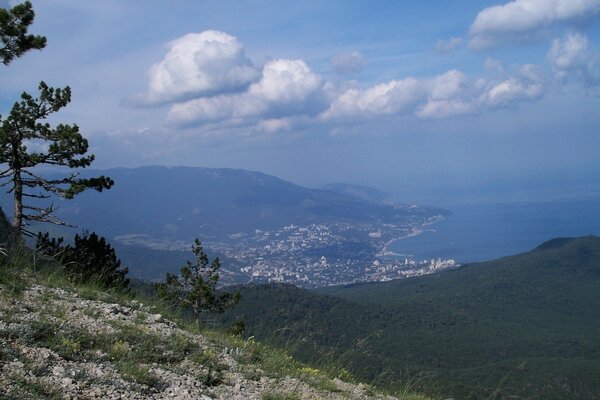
[(96, 373), (58, 371)]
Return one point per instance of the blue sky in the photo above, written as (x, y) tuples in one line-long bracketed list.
[(412, 97)]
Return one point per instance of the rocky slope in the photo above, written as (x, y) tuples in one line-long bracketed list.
[(66, 344)]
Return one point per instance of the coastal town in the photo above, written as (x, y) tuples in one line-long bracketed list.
[(322, 255)]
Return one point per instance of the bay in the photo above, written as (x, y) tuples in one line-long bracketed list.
[(485, 231)]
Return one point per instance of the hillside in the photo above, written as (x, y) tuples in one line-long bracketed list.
[(525, 325), (59, 340)]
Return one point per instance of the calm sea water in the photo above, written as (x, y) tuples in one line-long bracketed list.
[(478, 232)]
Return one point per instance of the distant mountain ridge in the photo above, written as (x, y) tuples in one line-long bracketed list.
[(152, 214), (360, 192), (184, 202), (523, 326)]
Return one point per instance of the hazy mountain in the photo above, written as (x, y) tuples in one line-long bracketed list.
[(524, 326), (152, 214), (184, 202), (359, 192)]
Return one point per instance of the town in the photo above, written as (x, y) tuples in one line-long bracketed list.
[(320, 255)]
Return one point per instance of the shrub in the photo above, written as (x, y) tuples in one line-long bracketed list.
[(90, 259)]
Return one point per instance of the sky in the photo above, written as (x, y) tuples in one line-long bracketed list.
[(417, 98)]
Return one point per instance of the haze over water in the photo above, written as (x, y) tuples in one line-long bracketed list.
[(487, 226)]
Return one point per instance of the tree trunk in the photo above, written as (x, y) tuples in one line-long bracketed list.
[(18, 198)]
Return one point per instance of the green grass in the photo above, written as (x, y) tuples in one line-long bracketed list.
[(32, 390), (139, 373), (281, 396)]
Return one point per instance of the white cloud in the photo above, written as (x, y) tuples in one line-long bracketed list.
[(401, 97), (572, 57), (287, 88), (519, 18), (275, 125), (444, 108), (347, 63), (200, 64), (445, 95), (394, 97), (447, 45), (527, 84), (209, 82), (447, 85)]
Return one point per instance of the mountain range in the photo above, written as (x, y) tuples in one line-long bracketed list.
[(152, 214), (184, 202)]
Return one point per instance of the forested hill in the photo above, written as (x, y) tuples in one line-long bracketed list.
[(525, 325)]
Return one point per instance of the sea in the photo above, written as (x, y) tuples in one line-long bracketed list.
[(486, 230)]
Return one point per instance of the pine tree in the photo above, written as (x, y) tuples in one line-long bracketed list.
[(64, 146), (14, 39), (195, 288)]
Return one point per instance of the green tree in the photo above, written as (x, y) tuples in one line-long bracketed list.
[(196, 286), (14, 39), (60, 146), (90, 259)]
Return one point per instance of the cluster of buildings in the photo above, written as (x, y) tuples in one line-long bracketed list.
[(318, 255)]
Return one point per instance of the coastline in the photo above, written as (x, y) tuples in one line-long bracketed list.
[(414, 231)]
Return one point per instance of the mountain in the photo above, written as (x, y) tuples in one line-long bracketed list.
[(251, 220), (184, 202), (525, 326), (360, 192)]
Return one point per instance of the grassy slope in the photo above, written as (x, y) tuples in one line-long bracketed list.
[(525, 325), (135, 353)]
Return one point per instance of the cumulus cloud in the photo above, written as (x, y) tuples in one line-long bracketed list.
[(444, 108), (526, 85), (208, 81), (519, 18), (200, 64), (287, 87), (572, 57), (447, 45), (402, 97), (448, 94), (396, 96), (347, 63), (447, 85)]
